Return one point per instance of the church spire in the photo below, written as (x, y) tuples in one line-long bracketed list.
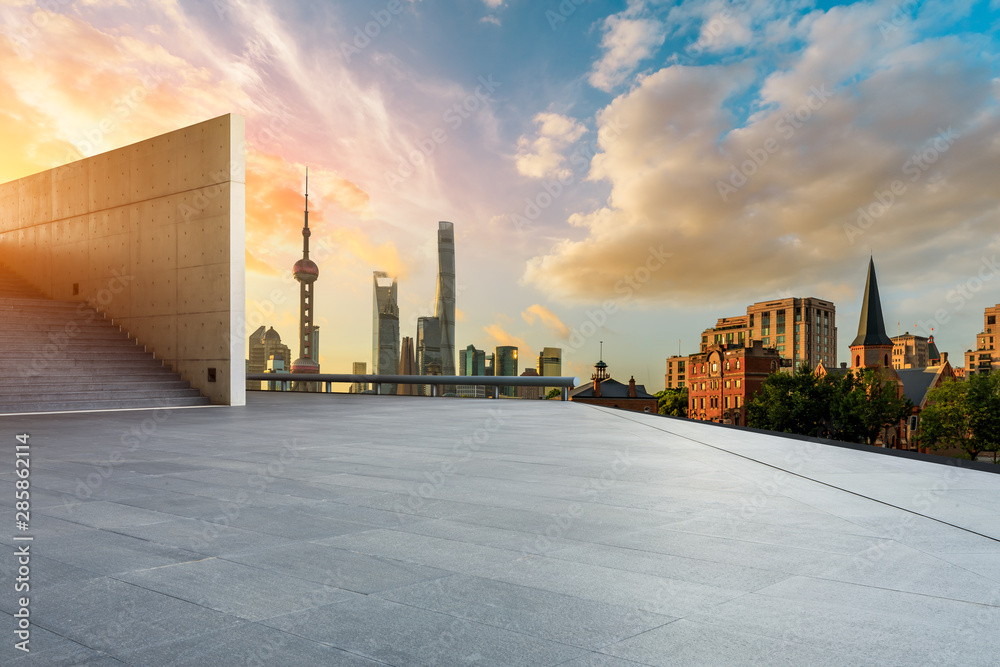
[(871, 327)]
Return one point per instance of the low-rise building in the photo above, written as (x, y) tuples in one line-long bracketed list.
[(724, 377), (605, 391)]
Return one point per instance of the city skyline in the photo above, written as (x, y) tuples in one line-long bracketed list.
[(785, 163)]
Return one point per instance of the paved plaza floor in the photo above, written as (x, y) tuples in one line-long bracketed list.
[(364, 530)]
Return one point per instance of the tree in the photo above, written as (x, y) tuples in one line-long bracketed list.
[(798, 403), (555, 392), (963, 415), (866, 403), (673, 402)]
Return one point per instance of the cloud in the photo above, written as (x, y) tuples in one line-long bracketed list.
[(722, 31), (626, 43), (548, 318), (491, 18), (542, 156), (502, 337), (256, 265), (794, 187), (493, 4), (377, 256)]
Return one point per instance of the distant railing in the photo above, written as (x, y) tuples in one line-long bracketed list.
[(435, 382)]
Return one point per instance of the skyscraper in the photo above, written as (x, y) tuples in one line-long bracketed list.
[(506, 364), (550, 363), (428, 361), (359, 368), (471, 362), (385, 329), (265, 344), (445, 303), (407, 366), (306, 272)]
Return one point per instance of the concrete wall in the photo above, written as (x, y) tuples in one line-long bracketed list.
[(152, 235)]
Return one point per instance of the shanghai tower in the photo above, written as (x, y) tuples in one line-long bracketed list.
[(445, 310)]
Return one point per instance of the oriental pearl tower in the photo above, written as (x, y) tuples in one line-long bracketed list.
[(306, 272)]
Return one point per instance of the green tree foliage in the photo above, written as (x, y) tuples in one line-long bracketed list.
[(854, 408), (798, 403), (673, 402), (555, 392), (963, 415), (865, 404)]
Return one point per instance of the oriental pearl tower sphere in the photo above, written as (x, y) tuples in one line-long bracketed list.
[(306, 272)]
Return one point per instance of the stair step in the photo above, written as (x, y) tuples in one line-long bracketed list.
[(80, 352), (129, 384), (63, 396), (44, 345), (94, 404)]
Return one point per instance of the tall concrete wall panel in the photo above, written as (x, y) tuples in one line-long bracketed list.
[(151, 234)]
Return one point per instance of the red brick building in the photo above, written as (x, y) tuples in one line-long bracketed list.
[(724, 377)]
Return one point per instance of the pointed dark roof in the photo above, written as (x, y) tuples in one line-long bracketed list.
[(871, 328), (933, 354)]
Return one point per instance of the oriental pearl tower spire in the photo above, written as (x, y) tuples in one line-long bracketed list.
[(306, 272)]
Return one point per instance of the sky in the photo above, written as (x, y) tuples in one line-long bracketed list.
[(625, 172)]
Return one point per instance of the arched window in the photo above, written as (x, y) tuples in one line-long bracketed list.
[(737, 364), (727, 365), (857, 361), (886, 363)]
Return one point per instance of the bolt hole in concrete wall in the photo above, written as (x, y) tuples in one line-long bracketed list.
[(152, 235)]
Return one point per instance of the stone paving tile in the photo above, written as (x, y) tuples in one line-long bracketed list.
[(246, 644), (203, 537), (247, 592), (561, 618), (106, 514), (688, 643), (661, 595), (114, 617), (339, 568), (453, 555), (48, 649), (404, 635), (104, 552)]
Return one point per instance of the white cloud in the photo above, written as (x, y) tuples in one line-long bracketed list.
[(491, 18), (543, 156), (828, 138), (626, 43)]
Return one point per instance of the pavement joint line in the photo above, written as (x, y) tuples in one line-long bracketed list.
[(801, 476)]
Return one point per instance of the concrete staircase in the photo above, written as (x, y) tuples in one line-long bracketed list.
[(64, 355)]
